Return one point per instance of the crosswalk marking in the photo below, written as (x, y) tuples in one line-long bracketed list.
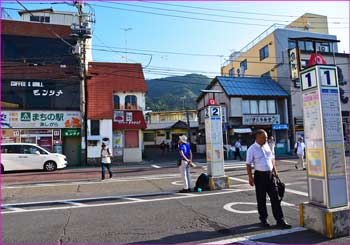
[(251, 239)]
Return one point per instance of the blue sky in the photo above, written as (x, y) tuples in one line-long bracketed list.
[(206, 42)]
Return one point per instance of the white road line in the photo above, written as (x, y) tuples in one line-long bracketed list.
[(124, 203), (239, 180), (136, 178), (13, 208), (229, 208), (133, 199), (297, 183), (259, 236), (90, 199), (301, 193), (289, 161), (155, 166), (75, 203)]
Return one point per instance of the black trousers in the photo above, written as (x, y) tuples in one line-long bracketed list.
[(264, 183), (237, 154)]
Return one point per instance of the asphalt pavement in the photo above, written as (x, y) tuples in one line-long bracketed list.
[(142, 206)]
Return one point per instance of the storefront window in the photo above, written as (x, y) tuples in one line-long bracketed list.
[(323, 47), (131, 139), (309, 46), (245, 107), (291, 44), (254, 107), (271, 105), (262, 107)]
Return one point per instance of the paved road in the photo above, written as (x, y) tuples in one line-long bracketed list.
[(146, 208)]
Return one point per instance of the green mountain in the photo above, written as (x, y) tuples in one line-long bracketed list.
[(175, 93)]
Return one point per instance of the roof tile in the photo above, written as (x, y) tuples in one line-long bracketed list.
[(248, 86)]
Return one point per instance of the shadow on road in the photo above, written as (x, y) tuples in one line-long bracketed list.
[(301, 237), (194, 237)]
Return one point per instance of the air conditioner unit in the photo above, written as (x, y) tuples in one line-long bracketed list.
[(76, 50)]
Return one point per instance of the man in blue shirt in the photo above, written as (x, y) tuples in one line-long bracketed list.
[(186, 161)]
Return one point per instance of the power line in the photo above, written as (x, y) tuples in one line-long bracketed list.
[(230, 11), (215, 15), (167, 73), (176, 16), (193, 18), (166, 52), (194, 7), (152, 71)]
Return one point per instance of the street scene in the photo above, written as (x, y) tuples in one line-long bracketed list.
[(171, 122)]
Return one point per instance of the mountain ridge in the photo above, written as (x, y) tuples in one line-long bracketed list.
[(175, 92)]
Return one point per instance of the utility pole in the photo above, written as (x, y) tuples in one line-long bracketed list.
[(82, 32), (188, 126), (126, 42)]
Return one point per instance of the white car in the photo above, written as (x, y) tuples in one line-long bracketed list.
[(24, 156)]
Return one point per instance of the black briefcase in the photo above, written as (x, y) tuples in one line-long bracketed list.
[(281, 187)]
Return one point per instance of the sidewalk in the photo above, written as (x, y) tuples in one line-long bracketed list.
[(154, 156)]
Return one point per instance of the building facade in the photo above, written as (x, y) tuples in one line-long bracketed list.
[(271, 55), (247, 104), (167, 126), (40, 93), (51, 16), (116, 101)]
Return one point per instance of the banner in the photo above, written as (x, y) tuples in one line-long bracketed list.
[(40, 119)]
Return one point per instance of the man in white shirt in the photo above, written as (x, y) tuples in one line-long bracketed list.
[(259, 154), (300, 147)]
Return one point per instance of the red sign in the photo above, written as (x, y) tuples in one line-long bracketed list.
[(212, 102), (129, 120), (316, 59)]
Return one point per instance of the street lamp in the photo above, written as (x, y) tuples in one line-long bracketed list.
[(126, 42)]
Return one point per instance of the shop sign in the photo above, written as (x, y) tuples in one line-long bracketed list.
[(40, 119), (261, 119), (71, 132), (280, 126), (128, 119), (42, 94), (294, 63)]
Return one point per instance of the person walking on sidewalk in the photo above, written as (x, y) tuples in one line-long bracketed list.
[(265, 172), (272, 144), (106, 161), (186, 160), (238, 147), (299, 149)]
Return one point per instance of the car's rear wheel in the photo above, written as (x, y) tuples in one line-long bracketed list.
[(50, 166)]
